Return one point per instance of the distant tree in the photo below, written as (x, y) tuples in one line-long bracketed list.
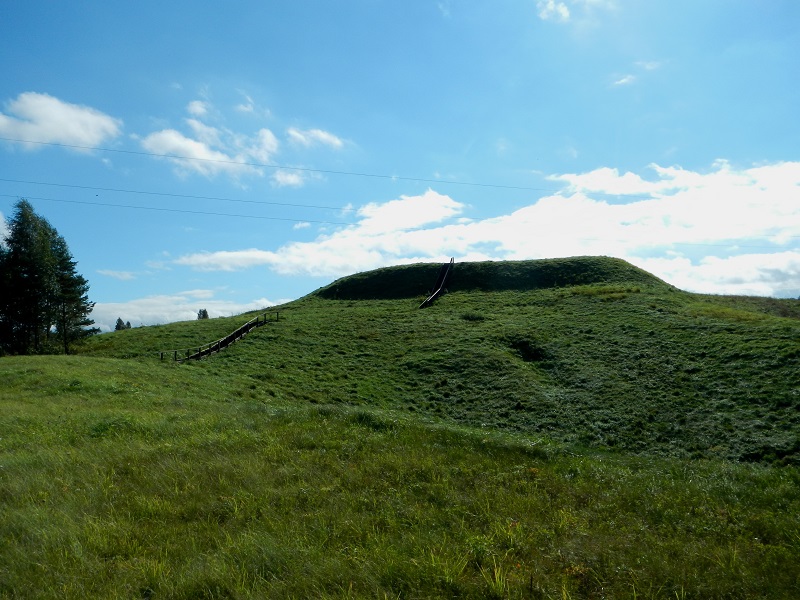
[(128, 325), (44, 298), (120, 325), (202, 314)]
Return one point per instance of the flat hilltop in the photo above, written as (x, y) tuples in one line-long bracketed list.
[(522, 276)]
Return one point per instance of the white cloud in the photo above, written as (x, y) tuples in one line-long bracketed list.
[(357, 247), (408, 212), (205, 134), (725, 230), (285, 178), (625, 80), (227, 260), (762, 274), (313, 137), (608, 181), (550, 10), (197, 108), (193, 155), (249, 106), (121, 275), (183, 306), (262, 147), (566, 10), (211, 151), (44, 118)]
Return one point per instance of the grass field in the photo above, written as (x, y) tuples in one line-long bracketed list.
[(616, 438)]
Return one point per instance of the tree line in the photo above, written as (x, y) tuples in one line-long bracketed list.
[(44, 304)]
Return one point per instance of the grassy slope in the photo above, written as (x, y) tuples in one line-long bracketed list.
[(626, 362), (267, 469)]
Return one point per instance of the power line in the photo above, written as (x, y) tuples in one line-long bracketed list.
[(286, 167), (177, 210), (172, 195), (216, 214)]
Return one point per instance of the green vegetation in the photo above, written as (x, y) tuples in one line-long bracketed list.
[(605, 436), (44, 305)]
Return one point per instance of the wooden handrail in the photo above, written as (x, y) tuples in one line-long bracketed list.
[(438, 287), (220, 344)]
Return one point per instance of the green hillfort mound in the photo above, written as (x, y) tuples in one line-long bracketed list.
[(415, 280), (568, 428)]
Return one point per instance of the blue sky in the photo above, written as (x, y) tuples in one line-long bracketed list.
[(229, 157)]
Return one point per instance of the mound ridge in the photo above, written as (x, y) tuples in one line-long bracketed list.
[(409, 281)]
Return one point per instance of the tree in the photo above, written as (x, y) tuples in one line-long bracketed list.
[(26, 267), (202, 314), (72, 305), (120, 325), (43, 294)]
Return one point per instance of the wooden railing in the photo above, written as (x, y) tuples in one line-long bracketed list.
[(438, 287), (197, 352)]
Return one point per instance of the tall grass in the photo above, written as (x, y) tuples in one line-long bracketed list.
[(177, 485), (593, 433)]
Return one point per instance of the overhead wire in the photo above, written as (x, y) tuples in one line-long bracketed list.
[(322, 222), (279, 166), (174, 195), (178, 210), (261, 202)]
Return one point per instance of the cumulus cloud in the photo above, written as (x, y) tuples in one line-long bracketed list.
[(550, 10), (313, 137), (44, 118), (121, 275), (197, 108), (204, 147), (757, 274), (287, 178), (210, 150), (384, 231), (168, 308), (564, 11), (407, 212), (725, 230)]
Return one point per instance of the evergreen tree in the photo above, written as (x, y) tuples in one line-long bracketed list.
[(72, 305), (202, 314), (128, 325), (120, 325), (42, 291), (25, 268)]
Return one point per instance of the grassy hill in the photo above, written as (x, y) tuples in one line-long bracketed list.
[(573, 428)]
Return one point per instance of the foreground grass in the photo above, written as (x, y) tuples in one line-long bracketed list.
[(135, 479)]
